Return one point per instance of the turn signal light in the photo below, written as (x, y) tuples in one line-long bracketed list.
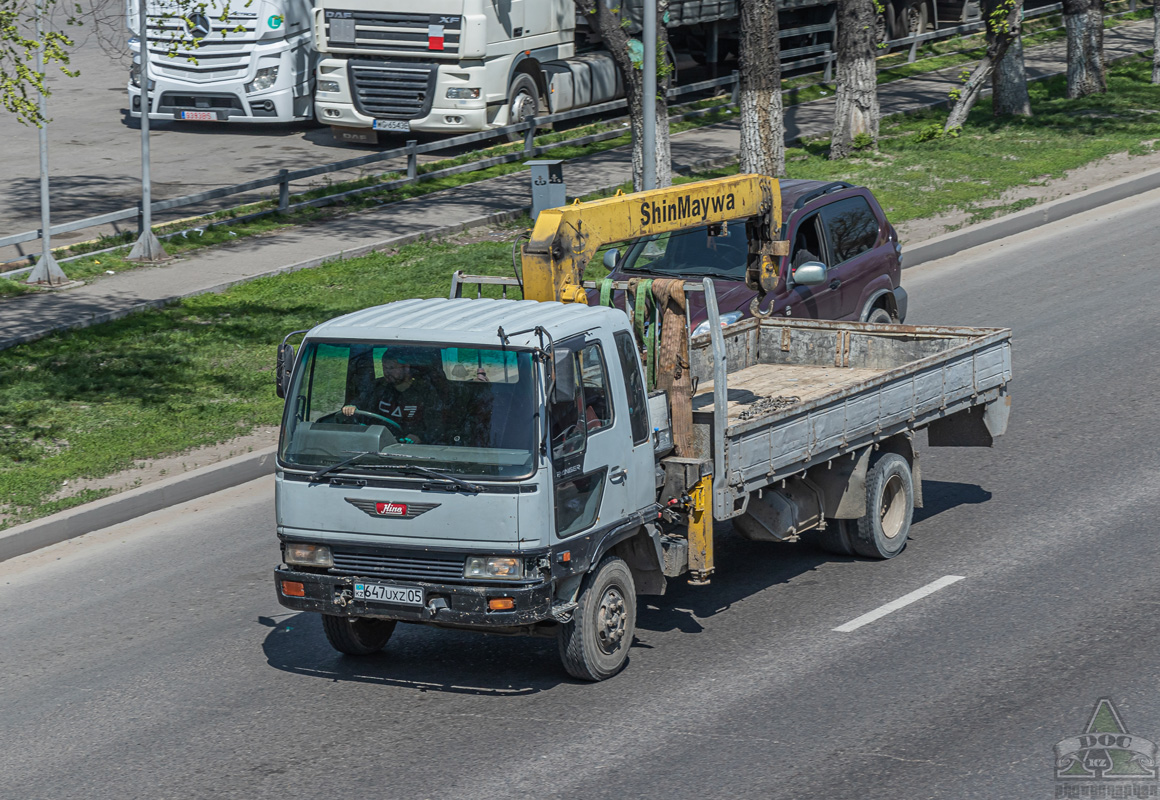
[(500, 604), (293, 589)]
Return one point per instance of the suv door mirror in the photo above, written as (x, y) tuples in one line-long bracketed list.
[(811, 273), (611, 259)]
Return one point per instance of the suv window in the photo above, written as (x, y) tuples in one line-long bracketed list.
[(807, 243), (851, 228)]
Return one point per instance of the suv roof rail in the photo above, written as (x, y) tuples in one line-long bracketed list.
[(821, 190)]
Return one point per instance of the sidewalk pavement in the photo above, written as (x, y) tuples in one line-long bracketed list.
[(30, 317)]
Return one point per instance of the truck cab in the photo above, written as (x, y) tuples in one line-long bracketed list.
[(481, 500)]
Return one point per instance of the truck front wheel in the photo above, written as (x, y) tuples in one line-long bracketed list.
[(595, 644), (889, 505), (355, 636)]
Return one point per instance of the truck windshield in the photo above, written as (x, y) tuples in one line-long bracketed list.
[(691, 253), (463, 411)]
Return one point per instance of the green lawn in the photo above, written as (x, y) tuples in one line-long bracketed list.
[(90, 402)]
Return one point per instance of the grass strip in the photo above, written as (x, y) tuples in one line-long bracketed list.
[(90, 403)]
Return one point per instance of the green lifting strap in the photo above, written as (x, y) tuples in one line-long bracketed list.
[(606, 292), (643, 303)]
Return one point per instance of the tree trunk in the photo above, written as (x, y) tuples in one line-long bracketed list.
[(615, 38), (1002, 18), (856, 112), (1084, 20), (1009, 81), (759, 60), (1155, 41)]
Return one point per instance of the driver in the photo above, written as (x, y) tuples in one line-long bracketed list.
[(405, 394)]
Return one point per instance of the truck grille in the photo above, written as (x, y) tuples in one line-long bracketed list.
[(392, 91), (404, 33), (427, 567)]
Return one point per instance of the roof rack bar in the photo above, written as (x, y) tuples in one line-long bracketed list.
[(821, 190)]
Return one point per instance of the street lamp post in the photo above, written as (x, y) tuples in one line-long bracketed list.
[(649, 128), (46, 271), (147, 248)]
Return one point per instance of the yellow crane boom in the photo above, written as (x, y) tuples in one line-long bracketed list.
[(565, 239)]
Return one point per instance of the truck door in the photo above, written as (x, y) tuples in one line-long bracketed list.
[(593, 456)]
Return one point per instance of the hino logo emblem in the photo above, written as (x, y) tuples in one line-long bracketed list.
[(198, 26), (389, 508)]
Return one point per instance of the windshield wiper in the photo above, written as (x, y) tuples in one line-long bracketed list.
[(317, 476), (443, 476)]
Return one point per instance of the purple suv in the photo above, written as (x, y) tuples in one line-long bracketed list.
[(849, 255)]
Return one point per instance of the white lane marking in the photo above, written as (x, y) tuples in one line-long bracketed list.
[(901, 602)]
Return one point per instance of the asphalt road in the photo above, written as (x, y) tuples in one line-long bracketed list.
[(152, 660)]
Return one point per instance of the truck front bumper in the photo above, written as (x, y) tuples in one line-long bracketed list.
[(465, 606)]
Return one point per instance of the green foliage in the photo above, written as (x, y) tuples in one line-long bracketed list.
[(21, 85), (862, 141)]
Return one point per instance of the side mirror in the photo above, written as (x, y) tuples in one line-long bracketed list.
[(283, 368), (611, 259), (810, 273)]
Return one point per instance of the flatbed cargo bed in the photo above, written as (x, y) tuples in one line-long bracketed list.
[(791, 394)]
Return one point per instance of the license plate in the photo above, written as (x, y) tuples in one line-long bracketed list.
[(387, 593), (392, 125), (200, 116)]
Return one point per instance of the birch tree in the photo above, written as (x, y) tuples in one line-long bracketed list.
[(1084, 21), (1002, 18), (762, 119), (1009, 81), (856, 112), (612, 25)]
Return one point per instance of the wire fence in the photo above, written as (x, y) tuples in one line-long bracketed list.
[(795, 59)]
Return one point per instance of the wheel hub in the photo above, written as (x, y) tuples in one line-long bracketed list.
[(611, 620), (893, 507)]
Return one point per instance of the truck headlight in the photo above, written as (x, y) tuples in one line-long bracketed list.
[(263, 80), (463, 94), (727, 318), (308, 555), (507, 568), (328, 86)]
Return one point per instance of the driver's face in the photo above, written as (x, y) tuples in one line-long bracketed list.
[(395, 371)]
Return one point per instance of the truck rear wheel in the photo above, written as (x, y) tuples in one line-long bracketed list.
[(595, 644), (356, 636), (890, 506)]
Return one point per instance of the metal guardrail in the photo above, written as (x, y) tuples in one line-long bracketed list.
[(412, 150)]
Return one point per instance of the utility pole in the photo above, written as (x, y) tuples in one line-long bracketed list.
[(649, 128), (46, 269), (147, 248)]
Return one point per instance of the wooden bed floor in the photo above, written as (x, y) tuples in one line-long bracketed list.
[(805, 382)]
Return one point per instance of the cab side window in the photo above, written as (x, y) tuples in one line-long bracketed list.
[(594, 379), (851, 228), (634, 386)]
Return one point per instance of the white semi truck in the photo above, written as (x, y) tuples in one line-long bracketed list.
[(256, 65), (457, 66)]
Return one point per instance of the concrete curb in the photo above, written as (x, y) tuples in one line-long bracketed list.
[(993, 230), (135, 503)]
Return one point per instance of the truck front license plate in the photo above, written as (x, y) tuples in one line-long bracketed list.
[(200, 116), (392, 125), (386, 593)]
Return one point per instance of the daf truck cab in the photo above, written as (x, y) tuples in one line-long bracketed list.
[(254, 65)]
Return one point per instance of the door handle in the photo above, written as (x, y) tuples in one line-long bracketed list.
[(617, 475), (835, 283)]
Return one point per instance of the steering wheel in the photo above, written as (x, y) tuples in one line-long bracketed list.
[(338, 416)]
